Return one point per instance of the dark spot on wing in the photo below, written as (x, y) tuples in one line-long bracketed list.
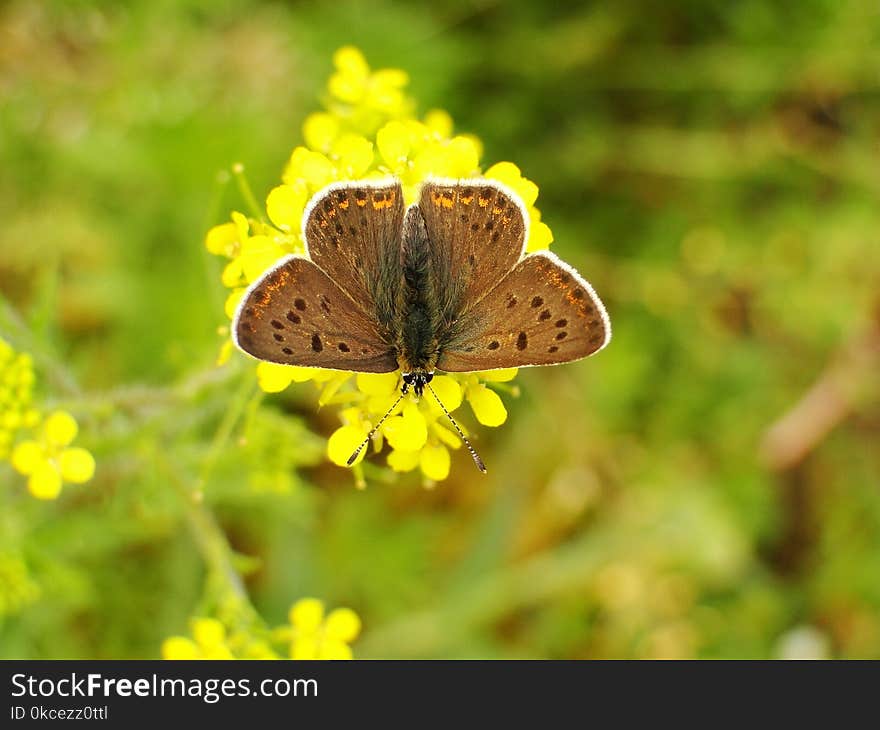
[(343, 347), (511, 301), (300, 304), (286, 350), (278, 338), (578, 293), (552, 349), (493, 345), (276, 324), (293, 317), (317, 345), (561, 322), (562, 335), (537, 301), (522, 342), (545, 315)]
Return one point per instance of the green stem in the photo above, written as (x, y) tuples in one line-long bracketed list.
[(246, 192), (247, 393)]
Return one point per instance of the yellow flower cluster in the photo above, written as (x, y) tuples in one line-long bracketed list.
[(16, 396), (368, 130), (308, 635), (45, 455)]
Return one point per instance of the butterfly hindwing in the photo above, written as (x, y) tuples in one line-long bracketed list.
[(477, 230), (541, 313), (296, 315), (352, 231)]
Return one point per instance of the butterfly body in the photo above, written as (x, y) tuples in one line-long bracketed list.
[(442, 285), (418, 339)]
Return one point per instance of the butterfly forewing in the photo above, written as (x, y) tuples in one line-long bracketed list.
[(477, 232), (296, 315), (541, 313), (352, 232)]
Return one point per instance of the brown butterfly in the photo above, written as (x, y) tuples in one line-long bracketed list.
[(444, 284)]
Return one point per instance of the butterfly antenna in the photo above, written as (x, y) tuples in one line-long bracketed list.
[(373, 431), (476, 457)]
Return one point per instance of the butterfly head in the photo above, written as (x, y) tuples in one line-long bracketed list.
[(417, 380)]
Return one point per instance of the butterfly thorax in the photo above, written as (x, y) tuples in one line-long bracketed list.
[(416, 339)]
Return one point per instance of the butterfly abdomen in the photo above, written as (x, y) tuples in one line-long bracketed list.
[(417, 344)]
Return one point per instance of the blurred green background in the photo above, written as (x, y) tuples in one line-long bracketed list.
[(708, 486)]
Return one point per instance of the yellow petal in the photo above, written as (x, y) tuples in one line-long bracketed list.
[(300, 374), (540, 236), (463, 156), (309, 167), (272, 377), (447, 436), (377, 383), (258, 253), (319, 131), (390, 78), (285, 205), (498, 376), (221, 239), (403, 461), (179, 647), (509, 174), (208, 632), (304, 647), (393, 143), (448, 391), (342, 443), (225, 353), (232, 301), (435, 462), (218, 651), (332, 649), (232, 273), (350, 60), (354, 154), (408, 431), (306, 615), (439, 122), (77, 465), (26, 457), (60, 428), (342, 624), (487, 406), (242, 225), (45, 481)]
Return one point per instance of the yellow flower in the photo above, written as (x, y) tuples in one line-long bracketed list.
[(16, 386), (209, 641), (50, 460), (366, 129), (314, 636)]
